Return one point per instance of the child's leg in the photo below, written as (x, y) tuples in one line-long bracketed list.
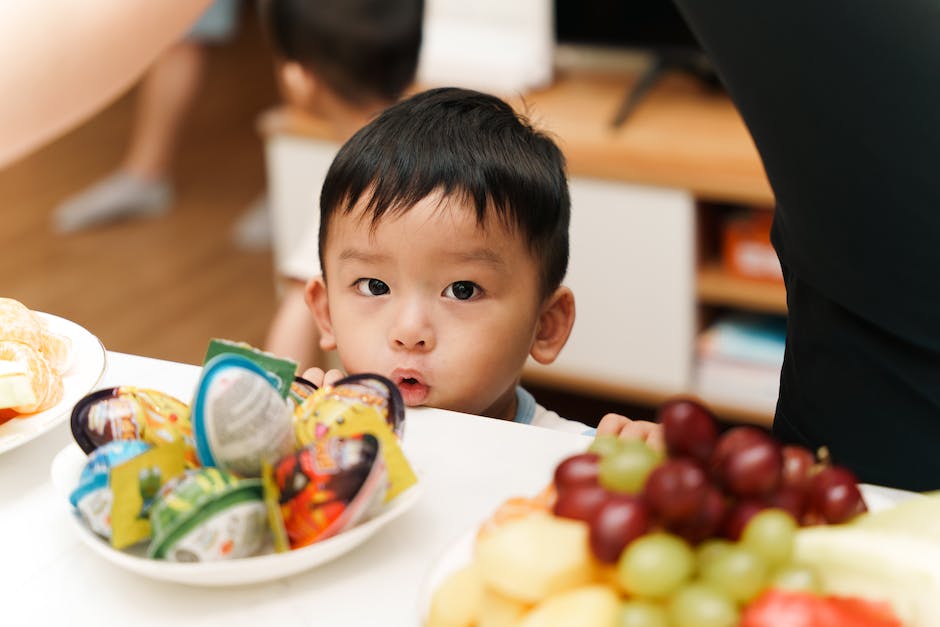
[(293, 332), (141, 186), (164, 102)]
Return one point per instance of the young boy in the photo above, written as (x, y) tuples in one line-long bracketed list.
[(345, 61), (443, 243)]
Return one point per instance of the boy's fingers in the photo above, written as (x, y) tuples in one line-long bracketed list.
[(332, 376), (314, 376), (611, 424), (623, 427)]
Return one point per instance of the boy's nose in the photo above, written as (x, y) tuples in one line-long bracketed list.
[(411, 329)]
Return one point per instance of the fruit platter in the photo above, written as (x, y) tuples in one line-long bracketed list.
[(719, 530)]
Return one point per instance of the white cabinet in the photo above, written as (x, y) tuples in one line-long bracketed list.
[(632, 271)]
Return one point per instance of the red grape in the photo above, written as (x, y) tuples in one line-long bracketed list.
[(797, 464), (751, 465), (738, 516), (576, 470), (675, 490), (732, 441), (792, 500), (835, 496), (707, 520), (580, 501), (689, 429), (621, 519)]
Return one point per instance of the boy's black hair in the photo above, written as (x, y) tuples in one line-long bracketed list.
[(462, 142), (365, 50)]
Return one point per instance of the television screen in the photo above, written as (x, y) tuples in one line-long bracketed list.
[(649, 24)]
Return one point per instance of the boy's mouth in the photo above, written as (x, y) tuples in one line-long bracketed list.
[(413, 389)]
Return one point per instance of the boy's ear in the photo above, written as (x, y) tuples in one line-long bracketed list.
[(554, 326), (317, 301), (298, 84)]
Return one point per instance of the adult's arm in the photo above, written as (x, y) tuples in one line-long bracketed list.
[(61, 60)]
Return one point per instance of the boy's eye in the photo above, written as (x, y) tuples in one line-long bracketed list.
[(462, 290), (372, 287)]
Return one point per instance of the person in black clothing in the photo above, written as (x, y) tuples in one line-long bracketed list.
[(843, 101)]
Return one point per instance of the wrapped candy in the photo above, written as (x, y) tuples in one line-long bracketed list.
[(331, 406), (131, 413), (361, 403), (208, 515), (240, 419), (93, 496), (329, 486)]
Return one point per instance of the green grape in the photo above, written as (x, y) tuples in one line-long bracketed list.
[(738, 572), (636, 613), (626, 469), (604, 445), (770, 534), (701, 605), (708, 550), (797, 577), (654, 565)]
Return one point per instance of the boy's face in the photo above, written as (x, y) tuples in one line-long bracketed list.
[(446, 310)]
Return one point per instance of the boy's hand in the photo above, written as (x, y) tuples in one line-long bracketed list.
[(319, 378), (623, 427)]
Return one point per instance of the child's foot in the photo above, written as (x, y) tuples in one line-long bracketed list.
[(253, 228), (120, 195)]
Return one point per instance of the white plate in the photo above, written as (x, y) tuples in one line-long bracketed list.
[(88, 364), (460, 553), (67, 467)]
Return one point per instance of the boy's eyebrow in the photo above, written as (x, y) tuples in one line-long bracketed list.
[(353, 254), (484, 255)]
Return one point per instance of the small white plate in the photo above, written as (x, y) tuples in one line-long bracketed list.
[(67, 467), (460, 553), (88, 364)]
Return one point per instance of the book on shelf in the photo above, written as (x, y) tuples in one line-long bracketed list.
[(739, 359)]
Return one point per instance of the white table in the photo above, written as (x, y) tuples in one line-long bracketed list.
[(468, 465)]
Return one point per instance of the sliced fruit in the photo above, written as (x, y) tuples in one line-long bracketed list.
[(498, 610), (457, 601), (801, 609), (532, 558), (588, 606), (855, 560)]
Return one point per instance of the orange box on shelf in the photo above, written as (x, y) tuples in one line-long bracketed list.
[(746, 248)]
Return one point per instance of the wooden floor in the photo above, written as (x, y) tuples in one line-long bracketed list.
[(159, 287)]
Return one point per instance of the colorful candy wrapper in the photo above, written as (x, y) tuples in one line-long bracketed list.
[(206, 515), (239, 419), (131, 413), (93, 496), (279, 370), (329, 486), (359, 404), (135, 484)]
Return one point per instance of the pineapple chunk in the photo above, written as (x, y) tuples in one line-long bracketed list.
[(498, 610), (456, 602), (532, 558), (590, 606)]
